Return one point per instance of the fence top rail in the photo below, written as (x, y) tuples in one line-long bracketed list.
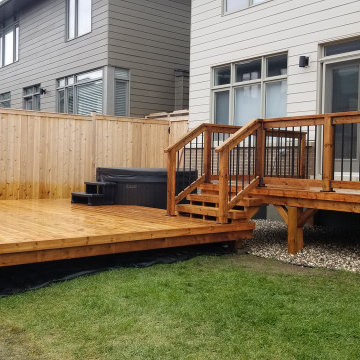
[(99, 117)]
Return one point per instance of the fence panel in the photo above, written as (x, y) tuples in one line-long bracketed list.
[(48, 155)]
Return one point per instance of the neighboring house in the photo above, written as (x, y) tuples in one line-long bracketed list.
[(245, 57), (117, 57)]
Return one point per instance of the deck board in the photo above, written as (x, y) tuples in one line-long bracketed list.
[(29, 226)]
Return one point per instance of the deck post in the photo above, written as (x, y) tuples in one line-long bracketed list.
[(223, 186), (260, 155), (171, 183), (295, 230), (207, 154), (328, 158)]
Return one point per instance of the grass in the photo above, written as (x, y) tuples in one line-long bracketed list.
[(229, 307)]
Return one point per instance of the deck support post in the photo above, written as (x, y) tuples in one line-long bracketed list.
[(207, 155), (295, 230), (171, 183)]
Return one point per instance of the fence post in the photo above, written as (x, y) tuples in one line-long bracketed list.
[(171, 183), (328, 158), (260, 155), (223, 186), (207, 154), (94, 146)]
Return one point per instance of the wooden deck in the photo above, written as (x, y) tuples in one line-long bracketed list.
[(45, 230)]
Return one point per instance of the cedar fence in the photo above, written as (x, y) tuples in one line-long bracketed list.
[(49, 155)]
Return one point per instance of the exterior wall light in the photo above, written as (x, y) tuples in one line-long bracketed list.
[(303, 61)]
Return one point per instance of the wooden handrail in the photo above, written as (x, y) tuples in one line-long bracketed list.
[(186, 139), (239, 136)]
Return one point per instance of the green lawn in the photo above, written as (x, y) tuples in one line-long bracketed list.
[(229, 307)]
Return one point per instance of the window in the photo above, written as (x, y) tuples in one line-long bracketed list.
[(9, 45), (251, 89), (78, 18), (81, 94), (343, 47), (5, 100), (32, 97), (121, 92), (233, 5)]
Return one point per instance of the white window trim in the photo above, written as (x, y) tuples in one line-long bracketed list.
[(127, 81), (74, 87), (233, 85), (16, 45), (251, 5), (5, 100), (32, 95), (76, 27)]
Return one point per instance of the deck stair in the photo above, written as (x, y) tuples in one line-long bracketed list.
[(96, 193), (205, 204)]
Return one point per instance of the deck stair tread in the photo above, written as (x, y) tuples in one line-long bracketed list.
[(100, 183), (207, 198), (210, 211), (87, 195)]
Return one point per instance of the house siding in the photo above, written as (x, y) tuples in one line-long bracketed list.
[(45, 56), (152, 39), (264, 29)]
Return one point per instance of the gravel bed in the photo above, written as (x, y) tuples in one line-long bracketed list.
[(323, 247)]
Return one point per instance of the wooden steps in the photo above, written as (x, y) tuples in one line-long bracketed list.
[(206, 205), (210, 211)]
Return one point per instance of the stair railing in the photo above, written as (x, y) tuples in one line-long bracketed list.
[(192, 161), (241, 164)]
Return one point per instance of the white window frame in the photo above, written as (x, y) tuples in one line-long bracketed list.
[(3, 100), (16, 39), (74, 86), (127, 81), (263, 80), (76, 25), (36, 92), (250, 5)]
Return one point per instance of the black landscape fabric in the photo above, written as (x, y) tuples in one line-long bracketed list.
[(18, 279)]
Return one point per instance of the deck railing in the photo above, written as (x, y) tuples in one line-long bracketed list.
[(193, 156), (310, 151)]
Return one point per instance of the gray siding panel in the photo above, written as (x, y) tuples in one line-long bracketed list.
[(45, 55), (152, 39)]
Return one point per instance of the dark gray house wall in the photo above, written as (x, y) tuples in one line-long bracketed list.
[(44, 53), (150, 38)]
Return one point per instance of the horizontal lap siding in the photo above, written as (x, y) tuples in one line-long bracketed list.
[(270, 27), (152, 39), (45, 56)]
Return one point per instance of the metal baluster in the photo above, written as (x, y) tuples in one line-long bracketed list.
[(212, 153), (249, 159), (285, 170), (351, 150), (272, 152), (293, 153), (202, 153), (243, 163), (307, 153), (315, 143), (342, 150), (196, 153)]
